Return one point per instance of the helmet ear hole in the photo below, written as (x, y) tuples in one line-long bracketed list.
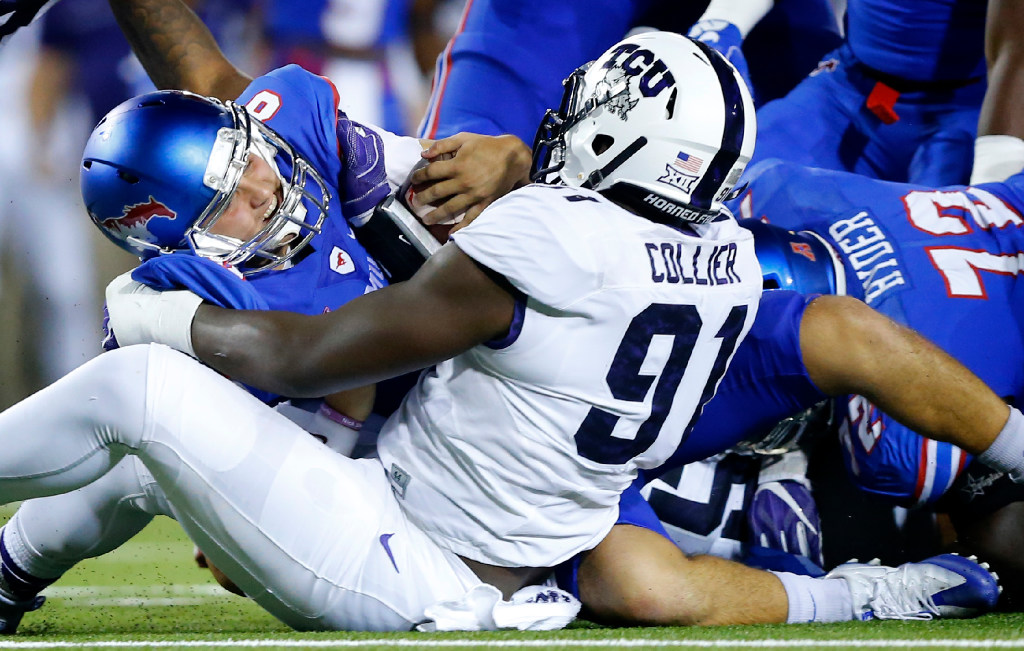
[(771, 283), (127, 177), (601, 143), (670, 108)]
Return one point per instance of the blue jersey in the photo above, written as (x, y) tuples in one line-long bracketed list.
[(944, 262), (303, 109), (504, 66), (505, 63), (334, 268), (899, 100), (923, 40)]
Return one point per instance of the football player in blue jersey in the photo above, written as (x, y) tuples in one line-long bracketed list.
[(504, 65), (899, 100), (273, 204), (480, 311), (943, 261), (980, 501)]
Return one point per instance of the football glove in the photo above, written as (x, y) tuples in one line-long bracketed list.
[(139, 314), (726, 38), (783, 516), (363, 179)]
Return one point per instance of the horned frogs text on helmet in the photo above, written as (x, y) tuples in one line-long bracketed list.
[(660, 123), (160, 169)]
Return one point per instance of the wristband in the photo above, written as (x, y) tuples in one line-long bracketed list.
[(141, 315), (996, 158)]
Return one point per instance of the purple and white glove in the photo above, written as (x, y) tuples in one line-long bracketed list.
[(363, 180), (109, 341), (727, 39), (783, 516)]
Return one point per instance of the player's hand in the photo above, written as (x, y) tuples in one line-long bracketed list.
[(468, 172), (142, 315), (16, 14), (218, 576), (726, 38), (783, 516), (363, 178)]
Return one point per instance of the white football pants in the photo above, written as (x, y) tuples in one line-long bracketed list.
[(315, 538)]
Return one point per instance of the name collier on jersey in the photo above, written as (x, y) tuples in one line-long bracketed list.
[(672, 262)]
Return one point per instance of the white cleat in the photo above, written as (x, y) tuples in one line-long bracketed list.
[(946, 585)]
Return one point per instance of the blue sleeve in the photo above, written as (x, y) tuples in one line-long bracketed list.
[(765, 382), (303, 109), (210, 281)]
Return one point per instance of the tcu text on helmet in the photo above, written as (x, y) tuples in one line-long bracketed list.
[(635, 60)]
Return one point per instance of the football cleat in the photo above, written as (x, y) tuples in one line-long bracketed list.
[(12, 611), (947, 585)]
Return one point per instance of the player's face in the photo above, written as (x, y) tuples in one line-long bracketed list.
[(257, 197)]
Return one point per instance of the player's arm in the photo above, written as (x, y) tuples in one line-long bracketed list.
[(999, 150), (449, 306), (899, 371), (176, 48)]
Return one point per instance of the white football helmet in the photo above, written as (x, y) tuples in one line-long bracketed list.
[(660, 123)]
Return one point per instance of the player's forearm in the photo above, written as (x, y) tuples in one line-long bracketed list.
[(900, 372), (176, 48), (449, 306), (363, 342), (1004, 51), (260, 349)]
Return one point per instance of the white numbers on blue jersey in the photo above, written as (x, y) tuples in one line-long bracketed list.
[(864, 422), (958, 213), (264, 105)]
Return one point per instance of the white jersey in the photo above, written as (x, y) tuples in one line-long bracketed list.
[(515, 452)]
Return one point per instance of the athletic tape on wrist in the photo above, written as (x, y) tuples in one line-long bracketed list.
[(996, 158)]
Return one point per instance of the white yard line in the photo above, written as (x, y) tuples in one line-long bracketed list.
[(536, 643)]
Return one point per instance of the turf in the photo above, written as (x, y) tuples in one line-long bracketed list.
[(149, 594)]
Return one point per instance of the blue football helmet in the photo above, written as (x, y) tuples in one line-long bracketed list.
[(160, 169), (801, 261)]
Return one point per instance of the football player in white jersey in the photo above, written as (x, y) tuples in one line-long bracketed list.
[(234, 479), (587, 333)]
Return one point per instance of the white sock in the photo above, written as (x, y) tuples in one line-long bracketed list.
[(1007, 452), (745, 14), (816, 600)]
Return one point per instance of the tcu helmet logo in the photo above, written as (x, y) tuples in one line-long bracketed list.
[(135, 218), (635, 61)]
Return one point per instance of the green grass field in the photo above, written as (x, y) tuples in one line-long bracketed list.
[(149, 594)]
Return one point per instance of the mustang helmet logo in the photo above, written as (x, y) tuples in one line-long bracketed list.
[(134, 222)]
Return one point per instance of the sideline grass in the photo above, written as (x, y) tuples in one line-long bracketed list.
[(149, 594)]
